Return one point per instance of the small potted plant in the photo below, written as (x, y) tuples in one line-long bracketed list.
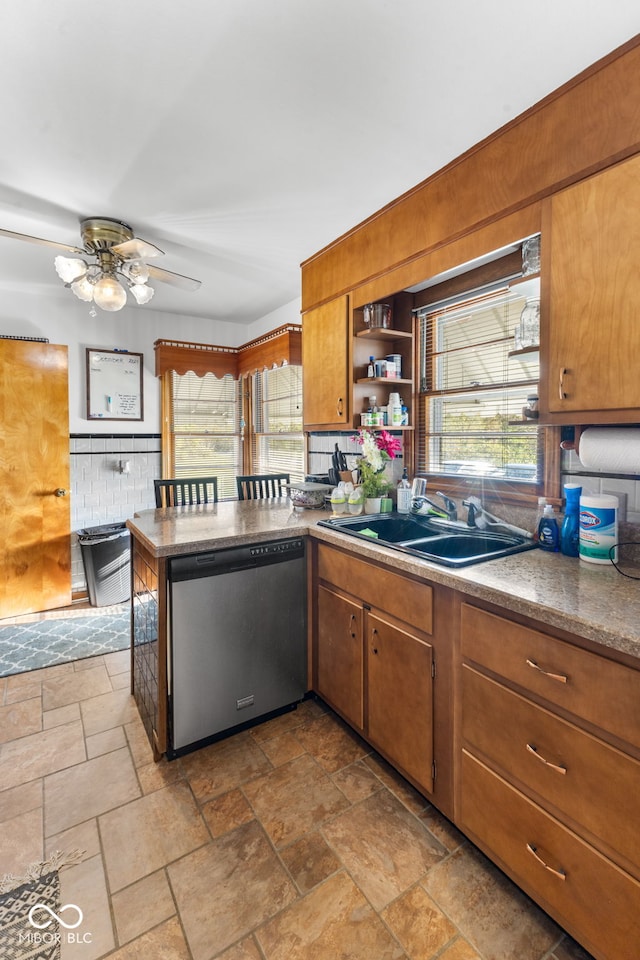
[(377, 450)]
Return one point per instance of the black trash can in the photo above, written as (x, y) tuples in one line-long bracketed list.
[(105, 555)]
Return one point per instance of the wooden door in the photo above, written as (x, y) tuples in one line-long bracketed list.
[(593, 251), (35, 562), (325, 365), (399, 696), (339, 677)]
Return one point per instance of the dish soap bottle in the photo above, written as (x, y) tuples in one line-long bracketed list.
[(548, 533), (570, 533), (404, 493)]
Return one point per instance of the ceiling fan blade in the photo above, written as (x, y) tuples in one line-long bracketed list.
[(45, 243), (176, 279), (136, 249)]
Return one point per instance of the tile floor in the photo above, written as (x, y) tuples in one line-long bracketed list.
[(292, 840)]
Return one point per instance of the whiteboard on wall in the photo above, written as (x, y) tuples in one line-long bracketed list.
[(114, 385)]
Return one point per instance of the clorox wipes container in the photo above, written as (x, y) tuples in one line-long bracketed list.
[(598, 528)]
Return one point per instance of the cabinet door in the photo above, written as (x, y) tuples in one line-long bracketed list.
[(593, 256), (325, 359), (339, 671), (399, 671)]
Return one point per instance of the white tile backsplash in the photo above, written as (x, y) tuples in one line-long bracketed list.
[(100, 493)]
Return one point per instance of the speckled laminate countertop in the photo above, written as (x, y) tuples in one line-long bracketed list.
[(591, 600)]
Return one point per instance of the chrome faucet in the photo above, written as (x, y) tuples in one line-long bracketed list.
[(423, 505)]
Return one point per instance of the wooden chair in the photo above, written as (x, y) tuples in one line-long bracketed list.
[(257, 486), (186, 491)]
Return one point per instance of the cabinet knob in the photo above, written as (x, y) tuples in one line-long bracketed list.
[(60, 492)]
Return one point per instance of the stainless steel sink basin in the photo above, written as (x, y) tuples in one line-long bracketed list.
[(423, 538)]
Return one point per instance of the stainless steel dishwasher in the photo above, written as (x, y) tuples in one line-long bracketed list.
[(237, 639)]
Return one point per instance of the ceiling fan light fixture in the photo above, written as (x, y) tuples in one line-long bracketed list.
[(69, 268), (142, 292), (83, 289), (109, 294)]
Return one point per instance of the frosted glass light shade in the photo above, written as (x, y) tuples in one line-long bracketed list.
[(83, 289), (69, 269), (108, 294), (142, 292), (136, 270)]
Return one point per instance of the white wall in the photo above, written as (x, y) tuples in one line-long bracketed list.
[(66, 320)]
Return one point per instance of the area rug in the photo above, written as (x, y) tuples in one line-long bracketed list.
[(33, 922), (43, 643)]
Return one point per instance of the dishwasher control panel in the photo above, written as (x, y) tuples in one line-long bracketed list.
[(271, 549)]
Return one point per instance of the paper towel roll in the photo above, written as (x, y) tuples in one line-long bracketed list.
[(610, 449)]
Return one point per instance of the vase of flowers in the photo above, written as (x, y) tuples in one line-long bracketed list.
[(377, 450)]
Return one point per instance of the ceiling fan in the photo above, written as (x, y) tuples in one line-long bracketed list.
[(118, 264)]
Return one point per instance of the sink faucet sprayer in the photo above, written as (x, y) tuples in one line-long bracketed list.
[(483, 520)]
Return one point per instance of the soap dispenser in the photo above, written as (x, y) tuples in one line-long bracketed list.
[(548, 533)]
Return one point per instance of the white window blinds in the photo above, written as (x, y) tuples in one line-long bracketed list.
[(277, 437), (206, 413), (475, 379)]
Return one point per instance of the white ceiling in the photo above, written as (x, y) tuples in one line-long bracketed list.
[(241, 136)]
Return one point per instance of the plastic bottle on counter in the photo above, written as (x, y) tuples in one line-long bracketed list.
[(570, 533), (548, 533), (403, 503)]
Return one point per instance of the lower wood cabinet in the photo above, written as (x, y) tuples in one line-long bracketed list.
[(549, 775), (378, 669)]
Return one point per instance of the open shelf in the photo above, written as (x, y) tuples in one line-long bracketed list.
[(383, 333), (387, 381)]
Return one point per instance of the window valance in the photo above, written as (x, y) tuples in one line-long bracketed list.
[(280, 346)]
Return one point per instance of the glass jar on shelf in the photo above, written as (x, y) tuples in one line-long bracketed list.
[(530, 323)]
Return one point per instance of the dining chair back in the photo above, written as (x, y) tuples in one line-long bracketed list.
[(257, 486), (186, 491)]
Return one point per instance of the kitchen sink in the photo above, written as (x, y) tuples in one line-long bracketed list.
[(421, 537)]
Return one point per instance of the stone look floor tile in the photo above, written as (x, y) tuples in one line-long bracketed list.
[(444, 831), (420, 925), (19, 799), (226, 812), (246, 950), (89, 789), (142, 906), (334, 920), (105, 742), (356, 781), (20, 719), (460, 950), (332, 743), (165, 942), (155, 776), (60, 715), (139, 744), (72, 687), (41, 753), (150, 832), (309, 861), (384, 847), (282, 749), (118, 662), (21, 842), (249, 882), (489, 910), (293, 799), (83, 837), (84, 885), (223, 766), (108, 710)]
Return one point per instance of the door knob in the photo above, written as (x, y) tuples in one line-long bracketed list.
[(60, 492)]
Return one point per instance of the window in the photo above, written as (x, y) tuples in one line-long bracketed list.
[(277, 438), (205, 429), (474, 386)]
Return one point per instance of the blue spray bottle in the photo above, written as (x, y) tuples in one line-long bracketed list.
[(570, 534)]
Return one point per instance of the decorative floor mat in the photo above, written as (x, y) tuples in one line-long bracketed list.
[(43, 643)]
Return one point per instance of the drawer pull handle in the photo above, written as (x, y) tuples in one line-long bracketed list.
[(559, 873), (553, 676), (558, 767)]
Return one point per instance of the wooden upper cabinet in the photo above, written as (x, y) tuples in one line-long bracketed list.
[(325, 365), (591, 252)]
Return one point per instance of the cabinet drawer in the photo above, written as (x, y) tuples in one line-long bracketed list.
[(408, 600), (586, 779), (594, 688), (597, 902)]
